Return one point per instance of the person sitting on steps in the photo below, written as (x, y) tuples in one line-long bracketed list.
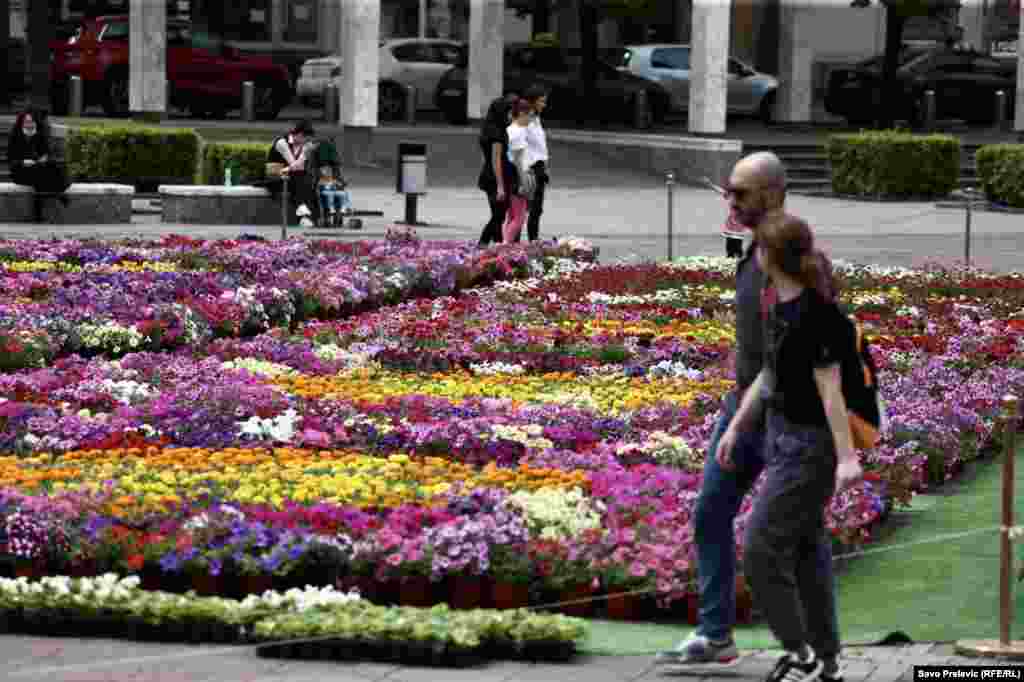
[(31, 159)]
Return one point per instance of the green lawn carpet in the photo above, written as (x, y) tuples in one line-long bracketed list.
[(939, 592)]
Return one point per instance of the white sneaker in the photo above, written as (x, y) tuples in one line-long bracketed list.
[(699, 649), (791, 668), (305, 222)]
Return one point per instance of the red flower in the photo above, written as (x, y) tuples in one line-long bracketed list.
[(135, 562)]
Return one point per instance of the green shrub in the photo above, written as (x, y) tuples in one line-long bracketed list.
[(133, 154), (1001, 172), (251, 158), (894, 164)]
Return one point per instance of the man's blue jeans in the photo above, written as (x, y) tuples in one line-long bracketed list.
[(717, 505)]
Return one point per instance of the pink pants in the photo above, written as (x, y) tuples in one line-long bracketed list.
[(514, 219)]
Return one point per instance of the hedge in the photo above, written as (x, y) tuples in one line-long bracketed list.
[(133, 154), (894, 164), (251, 158), (1001, 172)]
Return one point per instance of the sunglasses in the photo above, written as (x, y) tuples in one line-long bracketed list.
[(738, 192), (728, 190)]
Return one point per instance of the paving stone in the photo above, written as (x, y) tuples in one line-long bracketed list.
[(888, 672)]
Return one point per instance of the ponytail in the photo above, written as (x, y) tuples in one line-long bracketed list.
[(816, 273)]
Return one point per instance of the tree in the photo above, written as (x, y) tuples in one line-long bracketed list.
[(897, 12), (590, 13)]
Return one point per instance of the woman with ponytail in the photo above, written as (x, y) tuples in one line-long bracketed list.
[(809, 451)]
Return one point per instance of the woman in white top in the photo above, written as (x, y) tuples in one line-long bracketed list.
[(519, 155), (537, 140)]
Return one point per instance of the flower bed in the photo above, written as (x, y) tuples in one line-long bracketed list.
[(333, 624), (533, 441)]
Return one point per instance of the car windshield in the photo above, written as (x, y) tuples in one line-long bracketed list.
[(925, 60), (206, 41), (907, 54)]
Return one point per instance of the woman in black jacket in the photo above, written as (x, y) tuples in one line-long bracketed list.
[(498, 175), (31, 160)]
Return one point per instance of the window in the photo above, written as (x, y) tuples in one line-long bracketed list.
[(234, 21), (201, 40), (302, 21), (448, 54), (411, 52), (115, 31), (178, 35), (671, 58)]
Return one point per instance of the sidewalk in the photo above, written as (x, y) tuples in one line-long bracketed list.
[(626, 215), (37, 658)]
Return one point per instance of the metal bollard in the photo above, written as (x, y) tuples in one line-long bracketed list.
[(410, 104), (76, 97), (670, 181), (1011, 416), (929, 110), (967, 227), (248, 101), (284, 208), (332, 100), (641, 113), (1000, 118)]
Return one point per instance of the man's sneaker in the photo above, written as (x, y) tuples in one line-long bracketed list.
[(792, 668), (699, 649)]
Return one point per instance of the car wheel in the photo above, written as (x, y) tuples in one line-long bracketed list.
[(266, 102), (116, 100), (766, 110), (456, 116), (391, 102)]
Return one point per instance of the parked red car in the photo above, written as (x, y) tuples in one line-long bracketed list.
[(205, 73)]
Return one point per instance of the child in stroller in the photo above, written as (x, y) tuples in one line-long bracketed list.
[(335, 201)]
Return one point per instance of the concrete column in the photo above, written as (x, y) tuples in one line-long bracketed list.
[(796, 89), (359, 34), (147, 57), (1018, 118), (709, 58), (5, 33), (486, 55)]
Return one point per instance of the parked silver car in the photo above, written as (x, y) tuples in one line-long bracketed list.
[(750, 92), (419, 62)]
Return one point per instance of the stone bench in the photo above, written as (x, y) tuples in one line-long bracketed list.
[(89, 203), (219, 205)]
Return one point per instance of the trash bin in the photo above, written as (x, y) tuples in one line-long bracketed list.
[(411, 176)]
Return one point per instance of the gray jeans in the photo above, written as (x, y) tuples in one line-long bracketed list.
[(783, 550)]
